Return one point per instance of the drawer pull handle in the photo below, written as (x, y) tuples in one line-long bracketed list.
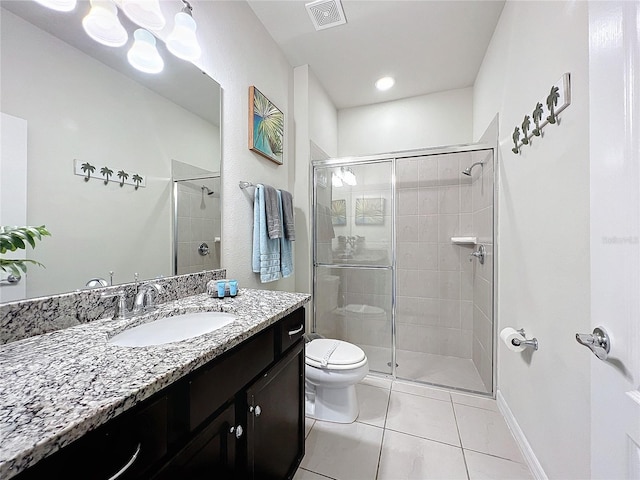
[(296, 331), (255, 410), (237, 430), (131, 461)]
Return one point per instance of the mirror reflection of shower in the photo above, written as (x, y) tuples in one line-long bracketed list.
[(467, 171), (206, 190), (197, 222)]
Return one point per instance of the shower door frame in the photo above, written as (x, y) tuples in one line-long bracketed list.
[(393, 157)]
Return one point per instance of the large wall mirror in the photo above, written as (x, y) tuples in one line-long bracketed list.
[(67, 99)]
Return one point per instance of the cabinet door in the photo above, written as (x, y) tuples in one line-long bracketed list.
[(125, 448), (275, 424), (210, 455)]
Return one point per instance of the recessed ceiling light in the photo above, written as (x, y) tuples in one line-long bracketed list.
[(385, 83)]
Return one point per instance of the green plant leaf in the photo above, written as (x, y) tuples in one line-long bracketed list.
[(16, 266), (14, 238)]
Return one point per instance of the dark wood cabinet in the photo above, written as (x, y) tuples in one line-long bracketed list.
[(275, 421), (128, 447), (211, 454), (239, 417)]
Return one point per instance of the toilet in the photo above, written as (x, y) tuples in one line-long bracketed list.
[(333, 367)]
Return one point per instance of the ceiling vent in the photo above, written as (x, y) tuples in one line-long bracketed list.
[(326, 13)]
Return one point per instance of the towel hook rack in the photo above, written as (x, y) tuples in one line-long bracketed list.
[(244, 184)]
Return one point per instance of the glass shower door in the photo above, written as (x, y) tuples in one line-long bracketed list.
[(444, 302), (353, 256)]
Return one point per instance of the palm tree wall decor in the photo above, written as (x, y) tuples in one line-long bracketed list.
[(537, 116), (558, 99), (88, 169), (266, 127), (106, 174)]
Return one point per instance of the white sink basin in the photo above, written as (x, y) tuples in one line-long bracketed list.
[(172, 329)]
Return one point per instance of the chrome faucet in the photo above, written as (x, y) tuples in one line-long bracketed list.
[(120, 311), (145, 299)]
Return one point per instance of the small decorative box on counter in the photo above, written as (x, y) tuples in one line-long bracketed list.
[(222, 288)]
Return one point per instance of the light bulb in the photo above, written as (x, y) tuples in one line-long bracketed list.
[(182, 41), (58, 5), (143, 54), (102, 24), (385, 83), (335, 180), (145, 13), (349, 177)]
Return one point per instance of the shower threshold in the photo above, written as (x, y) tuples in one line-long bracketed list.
[(440, 370)]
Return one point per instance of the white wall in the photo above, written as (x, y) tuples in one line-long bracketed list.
[(316, 121), (443, 118), (238, 52), (323, 118), (543, 235), (77, 108)]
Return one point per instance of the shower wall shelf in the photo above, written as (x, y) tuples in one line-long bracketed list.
[(106, 174), (464, 240)]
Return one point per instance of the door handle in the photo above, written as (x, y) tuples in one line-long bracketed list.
[(598, 342)]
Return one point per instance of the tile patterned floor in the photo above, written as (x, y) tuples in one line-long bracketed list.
[(407, 431)]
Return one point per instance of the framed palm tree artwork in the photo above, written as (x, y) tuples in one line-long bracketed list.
[(339, 212), (369, 211), (266, 127)]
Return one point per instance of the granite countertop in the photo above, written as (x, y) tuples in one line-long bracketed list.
[(56, 387)]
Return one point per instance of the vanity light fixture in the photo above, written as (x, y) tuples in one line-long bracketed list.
[(145, 13), (143, 54), (344, 176), (59, 5), (336, 181), (348, 176), (182, 41), (385, 83), (102, 24)]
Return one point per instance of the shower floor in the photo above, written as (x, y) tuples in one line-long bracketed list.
[(425, 367)]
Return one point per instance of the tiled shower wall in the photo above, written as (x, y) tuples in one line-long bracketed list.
[(198, 221), (443, 299), (482, 201), (434, 301)]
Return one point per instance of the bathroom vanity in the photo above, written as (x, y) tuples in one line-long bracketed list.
[(228, 404)]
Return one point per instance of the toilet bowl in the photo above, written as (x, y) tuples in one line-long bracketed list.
[(333, 367)]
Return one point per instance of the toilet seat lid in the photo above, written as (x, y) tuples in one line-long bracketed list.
[(326, 352)]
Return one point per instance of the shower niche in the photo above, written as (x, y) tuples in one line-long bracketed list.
[(396, 268)]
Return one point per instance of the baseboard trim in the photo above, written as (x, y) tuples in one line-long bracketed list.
[(523, 443)]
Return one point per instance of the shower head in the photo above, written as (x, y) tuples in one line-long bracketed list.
[(209, 192), (467, 171)]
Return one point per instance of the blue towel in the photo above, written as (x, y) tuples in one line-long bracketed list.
[(286, 258), (266, 251)]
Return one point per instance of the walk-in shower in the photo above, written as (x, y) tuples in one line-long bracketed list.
[(396, 262), (196, 224)]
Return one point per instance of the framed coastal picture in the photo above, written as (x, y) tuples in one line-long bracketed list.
[(369, 211), (339, 212), (266, 127)]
